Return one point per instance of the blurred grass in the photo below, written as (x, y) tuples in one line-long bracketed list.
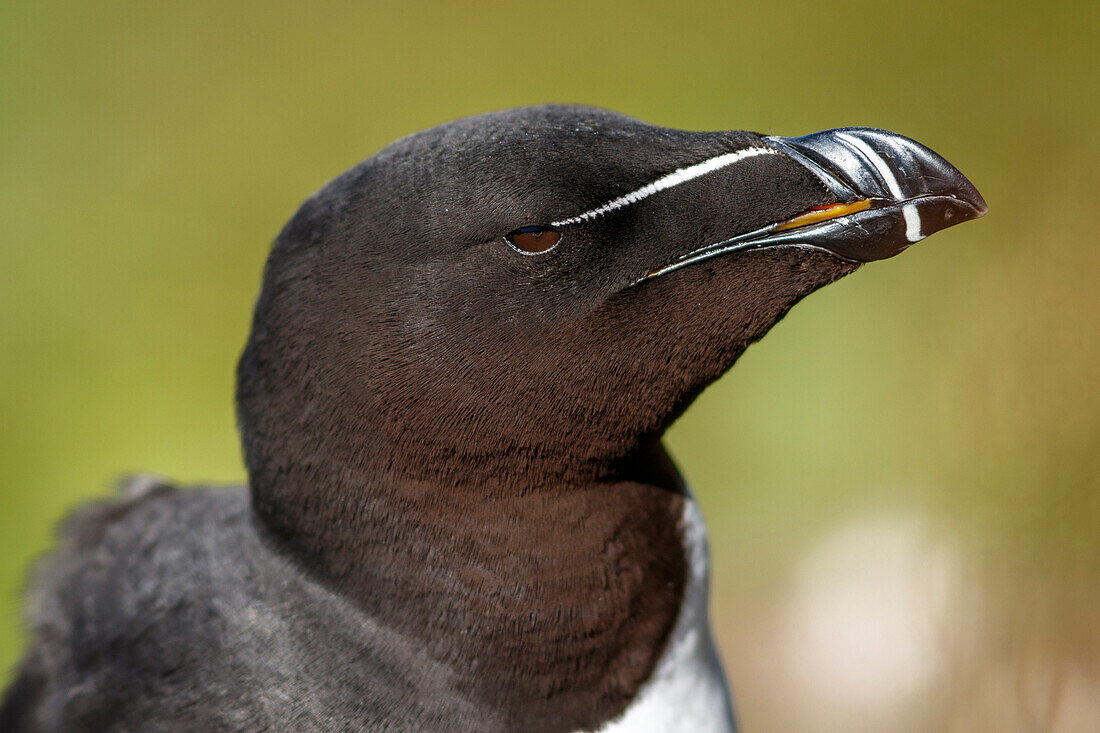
[(149, 152)]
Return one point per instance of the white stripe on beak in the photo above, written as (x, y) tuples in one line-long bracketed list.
[(909, 211)]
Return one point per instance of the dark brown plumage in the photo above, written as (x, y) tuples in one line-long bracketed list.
[(459, 514)]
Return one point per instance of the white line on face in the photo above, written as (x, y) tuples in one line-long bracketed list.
[(909, 211), (675, 178)]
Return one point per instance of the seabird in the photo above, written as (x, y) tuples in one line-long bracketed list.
[(459, 515)]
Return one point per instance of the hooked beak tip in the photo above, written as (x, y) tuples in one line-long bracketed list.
[(922, 192)]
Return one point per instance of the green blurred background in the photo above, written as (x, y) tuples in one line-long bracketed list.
[(902, 481)]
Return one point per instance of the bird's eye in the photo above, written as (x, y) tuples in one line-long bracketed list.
[(531, 240)]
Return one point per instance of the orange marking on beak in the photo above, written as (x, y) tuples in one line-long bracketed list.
[(823, 213)]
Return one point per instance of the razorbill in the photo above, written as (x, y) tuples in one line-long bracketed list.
[(459, 515)]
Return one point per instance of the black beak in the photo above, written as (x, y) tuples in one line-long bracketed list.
[(889, 192), (914, 192)]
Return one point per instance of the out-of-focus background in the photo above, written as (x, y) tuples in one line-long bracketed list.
[(902, 480)]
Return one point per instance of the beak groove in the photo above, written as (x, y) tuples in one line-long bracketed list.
[(915, 191), (890, 191)]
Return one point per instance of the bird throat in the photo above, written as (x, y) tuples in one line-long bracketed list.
[(561, 596)]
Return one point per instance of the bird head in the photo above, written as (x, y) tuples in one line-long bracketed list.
[(540, 292)]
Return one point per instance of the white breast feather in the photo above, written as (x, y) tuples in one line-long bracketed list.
[(687, 692)]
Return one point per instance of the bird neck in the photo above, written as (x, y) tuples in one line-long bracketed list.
[(560, 595)]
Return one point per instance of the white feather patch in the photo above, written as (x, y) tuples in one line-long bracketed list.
[(688, 690)]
